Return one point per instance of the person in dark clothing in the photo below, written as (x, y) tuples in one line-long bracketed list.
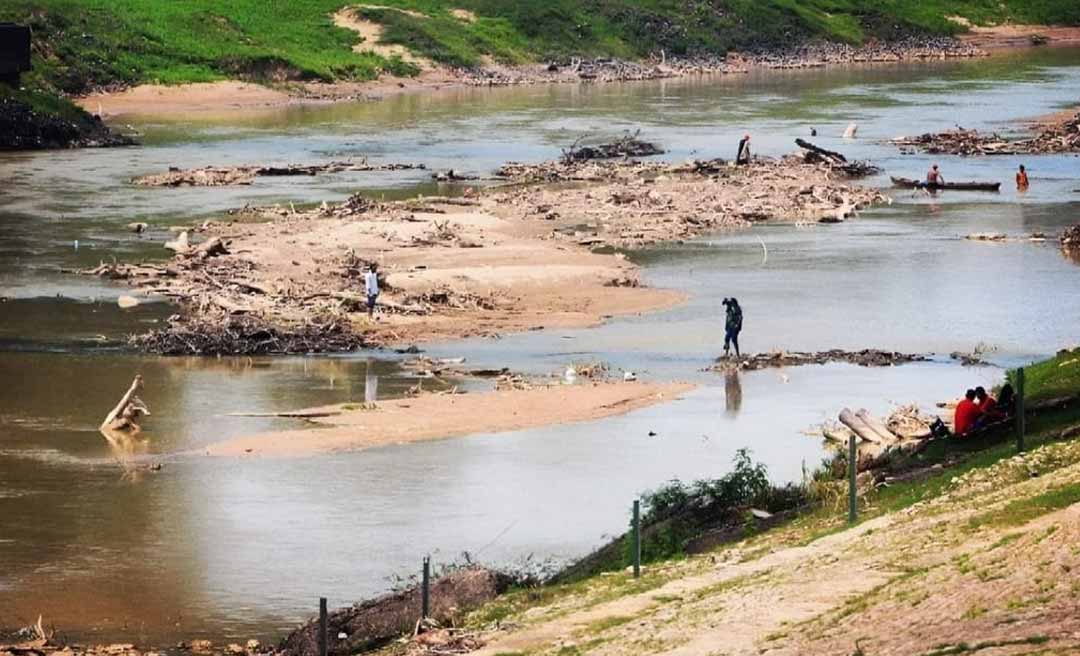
[(732, 326), (743, 156), (1006, 402)]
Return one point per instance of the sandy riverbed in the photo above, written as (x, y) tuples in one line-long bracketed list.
[(438, 416)]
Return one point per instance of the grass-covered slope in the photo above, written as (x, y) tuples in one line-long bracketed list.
[(83, 44)]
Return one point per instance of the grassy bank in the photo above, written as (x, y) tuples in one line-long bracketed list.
[(933, 549), (85, 44)]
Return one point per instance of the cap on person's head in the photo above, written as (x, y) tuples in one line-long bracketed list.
[(970, 395)]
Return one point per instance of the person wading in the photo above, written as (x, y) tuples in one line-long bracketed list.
[(732, 326), (371, 286), (743, 156), (1022, 179)]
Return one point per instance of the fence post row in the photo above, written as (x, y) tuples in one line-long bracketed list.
[(1019, 393), (425, 589), (853, 457), (637, 538), (323, 643)]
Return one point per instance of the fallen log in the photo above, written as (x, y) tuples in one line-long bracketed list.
[(827, 154), (875, 424), (859, 426)]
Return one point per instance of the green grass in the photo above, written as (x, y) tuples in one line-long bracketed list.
[(1022, 511), (83, 44), (1053, 378)]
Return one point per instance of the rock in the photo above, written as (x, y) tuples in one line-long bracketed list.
[(849, 133), (201, 646), (127, 302), (181, 244), (138, 228), (234, 649)]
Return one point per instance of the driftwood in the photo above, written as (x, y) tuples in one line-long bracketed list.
[(221, 176), (376, 622), (123, 417), (835, 160), (627, 146), (863, 358), (859, 426)]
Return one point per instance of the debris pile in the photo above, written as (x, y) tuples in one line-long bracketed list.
[(1063, 137), (627, 146), (374, 623), (906, 431), (836, 161), (221, 334), (777, 359), (222, 176), (1070, 239)]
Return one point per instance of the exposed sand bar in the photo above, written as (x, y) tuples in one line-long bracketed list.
[(438, 416)]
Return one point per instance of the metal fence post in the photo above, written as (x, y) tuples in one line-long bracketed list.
[(425, 589), (323, 642), (853, 456), (637, 538), (1019, 392)]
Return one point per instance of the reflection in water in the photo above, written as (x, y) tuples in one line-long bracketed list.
[(371, 384), (128, 447), (1071, 254), (732, 392)]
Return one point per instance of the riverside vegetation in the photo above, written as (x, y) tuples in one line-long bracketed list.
[(82, 46)]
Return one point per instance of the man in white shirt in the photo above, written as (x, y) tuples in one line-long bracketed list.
[(371, 286)]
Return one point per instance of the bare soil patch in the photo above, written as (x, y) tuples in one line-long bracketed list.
[(371, 34), (438, 416)]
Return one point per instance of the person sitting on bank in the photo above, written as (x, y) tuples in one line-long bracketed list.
[(934, 177), (1006, 401), (743, 156), (967, 413), (988, 410), (1022, 179)]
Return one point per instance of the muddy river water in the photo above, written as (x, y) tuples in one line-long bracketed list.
[(235, 548)]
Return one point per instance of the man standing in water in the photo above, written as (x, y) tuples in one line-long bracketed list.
[(1021, 179), (743, 156), (732, 326), (371, 286)]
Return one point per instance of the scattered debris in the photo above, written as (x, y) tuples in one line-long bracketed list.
[(1070, 239), (374, 623), (775, 359), (627, 146), (1063, 137), (221, 176)]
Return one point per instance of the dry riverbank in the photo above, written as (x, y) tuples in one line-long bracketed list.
[(439, 416), (230, 97), (280, 280)]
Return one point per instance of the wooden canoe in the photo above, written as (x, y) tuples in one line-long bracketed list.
[(908, 183)]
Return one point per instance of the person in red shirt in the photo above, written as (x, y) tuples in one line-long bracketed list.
[(967, 412), (988, 410)]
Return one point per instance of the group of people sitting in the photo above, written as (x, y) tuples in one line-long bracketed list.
[(978, 409)]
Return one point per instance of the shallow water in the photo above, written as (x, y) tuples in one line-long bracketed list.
[(240, 548)]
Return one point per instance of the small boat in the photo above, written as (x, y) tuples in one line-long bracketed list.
[(908, 183)]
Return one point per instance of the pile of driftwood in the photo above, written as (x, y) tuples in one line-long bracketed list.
[(626, 146), (836, 161), (905, 432), (959, 142), (225, 334), (1061, 138), (776, 359), (222, 176), (374, 623), (1070, 239)]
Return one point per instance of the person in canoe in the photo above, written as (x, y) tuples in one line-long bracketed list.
[(1021, 179), (934, 177)]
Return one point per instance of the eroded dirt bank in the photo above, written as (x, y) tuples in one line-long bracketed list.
[(281, 280), (233, 96), (439, 416)]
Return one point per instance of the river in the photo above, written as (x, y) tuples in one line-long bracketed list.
[(235, 548)]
